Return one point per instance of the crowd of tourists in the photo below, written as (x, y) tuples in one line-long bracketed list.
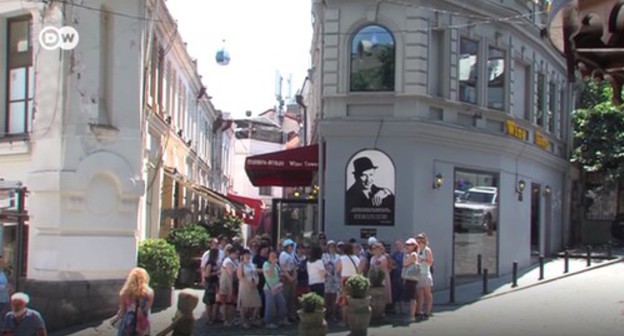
[(263, 282)]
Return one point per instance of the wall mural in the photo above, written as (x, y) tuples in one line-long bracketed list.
[(369, 197)]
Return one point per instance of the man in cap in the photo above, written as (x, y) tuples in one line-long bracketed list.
[(364, 193), (288, 267), (21, 320)]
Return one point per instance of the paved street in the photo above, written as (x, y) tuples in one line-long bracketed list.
[(533, 307)]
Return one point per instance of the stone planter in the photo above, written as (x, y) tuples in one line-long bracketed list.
[(163, 297), (359, 316), (378, 303), (186, 276), (312, 324)]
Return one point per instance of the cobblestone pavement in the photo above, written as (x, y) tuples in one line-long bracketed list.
[(464, 295)]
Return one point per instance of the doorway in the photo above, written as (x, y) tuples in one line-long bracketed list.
[(535, 219), (297, 218)]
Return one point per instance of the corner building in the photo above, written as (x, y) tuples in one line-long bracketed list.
[(445, 98)]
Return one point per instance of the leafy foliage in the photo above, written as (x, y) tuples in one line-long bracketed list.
[(599, 133), (376, 277), (228, 226), (160, 260), (312, 302), (190, 241), (358, 286)]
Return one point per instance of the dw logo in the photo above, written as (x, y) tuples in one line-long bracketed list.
[(65, 38)]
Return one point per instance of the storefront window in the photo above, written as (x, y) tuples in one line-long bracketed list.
[(372, 59)]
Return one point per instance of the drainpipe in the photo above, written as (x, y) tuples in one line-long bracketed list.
[(299, 99)]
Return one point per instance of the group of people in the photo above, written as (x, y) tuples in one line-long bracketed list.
[(264, 283)]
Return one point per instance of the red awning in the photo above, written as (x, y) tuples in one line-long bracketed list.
[(288, 168), (254, 203)]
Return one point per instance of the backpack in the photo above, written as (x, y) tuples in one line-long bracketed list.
[(302, 272)]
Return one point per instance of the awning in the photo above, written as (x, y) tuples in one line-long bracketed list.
[(209, 194), (288, 168), (255, 204)]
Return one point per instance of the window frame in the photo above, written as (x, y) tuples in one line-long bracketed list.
[(477, 84), (540, 99), (504, 100), (22, 60), (352, 39)]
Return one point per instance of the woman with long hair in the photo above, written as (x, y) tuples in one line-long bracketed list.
[(380, 261), (332, 281), (228, 292), (425, 280), (348, 265), (135, 303), (211, 282), (410, 285), (249, 303), (316, 271)]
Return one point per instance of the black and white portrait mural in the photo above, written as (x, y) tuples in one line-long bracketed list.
[(369, 199)]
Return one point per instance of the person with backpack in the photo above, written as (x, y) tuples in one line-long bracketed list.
[(301, 260)]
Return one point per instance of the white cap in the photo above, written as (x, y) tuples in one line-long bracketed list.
[(371, 241), (331, 242), (411, 241)]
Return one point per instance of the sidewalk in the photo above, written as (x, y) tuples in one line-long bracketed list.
[(464, 294)]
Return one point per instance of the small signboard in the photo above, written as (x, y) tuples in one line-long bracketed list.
[(367, 233)]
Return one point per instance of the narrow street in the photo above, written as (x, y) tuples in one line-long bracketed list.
[(591, 303)]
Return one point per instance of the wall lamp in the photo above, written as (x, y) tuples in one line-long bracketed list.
[(547, 190), (437, 182), (520, 189)]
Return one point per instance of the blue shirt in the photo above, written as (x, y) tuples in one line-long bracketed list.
[(28, 325)]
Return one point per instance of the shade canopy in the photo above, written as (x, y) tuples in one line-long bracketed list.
[(288, 168), (255, 204)]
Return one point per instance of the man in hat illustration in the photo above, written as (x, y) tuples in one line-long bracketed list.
[(364, 193)]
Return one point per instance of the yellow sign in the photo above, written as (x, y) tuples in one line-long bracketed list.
[(541, 141), (516, 131)]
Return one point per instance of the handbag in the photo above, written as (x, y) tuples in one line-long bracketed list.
[(411, 272), (277, 288)]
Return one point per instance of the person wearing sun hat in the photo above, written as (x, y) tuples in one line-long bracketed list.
[(332, 281), (288, 266), (410, 285)]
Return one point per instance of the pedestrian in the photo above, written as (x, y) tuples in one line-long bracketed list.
[(289, 277), (273, 293), (249, 303), (316, 271), (347, 266), (332, 281), (398, 295), (210, 280), (425, 279), (135, 304), (21, 320), (410, 275), (5, 291), (227, 288), (258, 260), (380, 260)]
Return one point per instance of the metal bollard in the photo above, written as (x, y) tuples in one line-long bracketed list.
[(514, 280), (479, 264), (566, 261), (485, 281), (589, 251), (452, 290), (541, 267), (609, 250)]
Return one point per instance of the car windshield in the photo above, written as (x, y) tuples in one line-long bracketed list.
[(478, 197)]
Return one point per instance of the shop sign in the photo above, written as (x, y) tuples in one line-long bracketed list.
[(369, 196), (541, 140), (367, 233), (516, 131)]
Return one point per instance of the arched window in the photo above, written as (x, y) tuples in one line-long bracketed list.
[(372, 59)]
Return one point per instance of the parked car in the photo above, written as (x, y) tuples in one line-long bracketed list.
[(477, 209), (459, 194)]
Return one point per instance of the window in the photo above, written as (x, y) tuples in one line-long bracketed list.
[(372, 59), (265, 191), (541, 83), (521, 91), (21, 79), (496, 68), (553, 113), (562, 114), (468, 70)]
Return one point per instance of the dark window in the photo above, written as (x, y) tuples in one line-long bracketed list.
[(468, 70), (553, 113), (372, 59), (541, 83), (20, 77), (265, 191), (496, 67)]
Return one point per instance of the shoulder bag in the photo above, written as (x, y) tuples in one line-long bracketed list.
[(410, 272)]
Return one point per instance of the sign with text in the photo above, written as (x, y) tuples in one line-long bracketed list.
[(516, 131), (367, 233), (541, 140)]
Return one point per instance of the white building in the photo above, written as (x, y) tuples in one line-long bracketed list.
[(463, 93)]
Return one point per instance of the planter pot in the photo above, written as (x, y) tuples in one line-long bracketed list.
[(163, 297), (312, 324), (378, 302), (186, 276), (359, 316)]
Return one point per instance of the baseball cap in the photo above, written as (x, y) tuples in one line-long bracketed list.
[(288, 242), (340, 242), (20, 297), (371, 241), (410, 241), (331, 242)]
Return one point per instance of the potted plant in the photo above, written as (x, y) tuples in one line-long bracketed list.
[(190, 241), (358, 310), (378, 292), (312, 315), (162, 263)]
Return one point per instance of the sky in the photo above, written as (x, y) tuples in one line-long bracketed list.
[(262, 38)]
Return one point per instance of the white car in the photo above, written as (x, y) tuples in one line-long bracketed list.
[(477, 209)]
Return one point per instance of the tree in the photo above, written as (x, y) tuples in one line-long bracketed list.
[(599, 132)]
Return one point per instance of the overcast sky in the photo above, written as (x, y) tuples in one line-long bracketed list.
[(262, 37)]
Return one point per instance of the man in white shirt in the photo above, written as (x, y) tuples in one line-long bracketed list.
[(289, 276)]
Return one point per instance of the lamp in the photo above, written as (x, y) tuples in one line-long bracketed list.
[(437, 182), (520, 189), (296, 193), (547, 190)]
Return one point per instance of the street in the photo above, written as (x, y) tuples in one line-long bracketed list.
[(584, 304)]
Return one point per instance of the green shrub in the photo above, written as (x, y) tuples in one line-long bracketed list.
[(160, 260), (376, 277), (190, 241), (312, 302), (228, 226), (358, 286)]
